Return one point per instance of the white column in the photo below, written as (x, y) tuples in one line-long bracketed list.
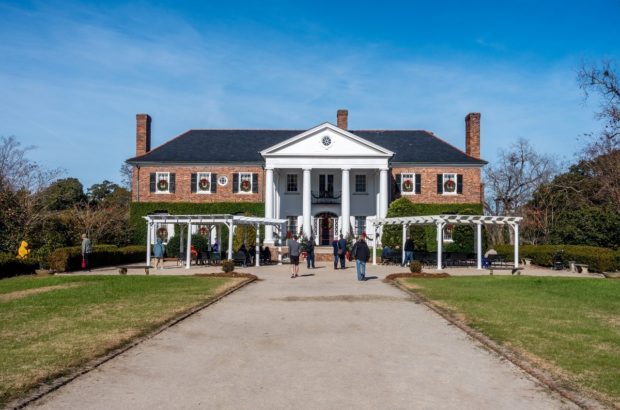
[(257, 252), (231, 232), (439, 243), (383, 191), (149, 228), (307, 202), (269, 204), (346, 202), (479, 244), (219, 238), (516, 228), (403, 243), (188, 258)]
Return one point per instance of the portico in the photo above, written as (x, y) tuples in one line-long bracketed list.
[(325, 170)]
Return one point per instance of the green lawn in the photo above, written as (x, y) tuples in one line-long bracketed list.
[(49, 325), (568, 325)]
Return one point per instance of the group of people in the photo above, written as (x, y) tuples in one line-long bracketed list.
[(250, 254), (359, 252)]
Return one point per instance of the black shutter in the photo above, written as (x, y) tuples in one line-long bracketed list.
[(235, 183), (153, 183), (440, 183), (172, 182), (255, 183), (398, 182), (418, 183), (213, 182), (459, 184), (194, 182)]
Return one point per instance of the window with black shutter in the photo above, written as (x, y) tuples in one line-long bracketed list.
[(172, 182), (418, 183), (235, 184), (459, 184), (255, 183), (194, 182), (440, 183), (213, 182), (398, 179), (152, 182)]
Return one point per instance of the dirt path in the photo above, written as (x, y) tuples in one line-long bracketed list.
[(324, 341)]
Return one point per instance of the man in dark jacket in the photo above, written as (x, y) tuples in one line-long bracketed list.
[(361, 253), (335, 246), (408, 251), (310, 250), (342, 250)]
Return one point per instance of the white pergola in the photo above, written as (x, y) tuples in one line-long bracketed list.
[(440, 221), (229, 221)]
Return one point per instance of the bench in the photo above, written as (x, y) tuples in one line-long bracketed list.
[(512, 270), (122, 270)]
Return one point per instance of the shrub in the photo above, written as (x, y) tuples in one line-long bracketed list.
[(228, 266), (597, 259), (70, 258), (415, 267), (11, 266)]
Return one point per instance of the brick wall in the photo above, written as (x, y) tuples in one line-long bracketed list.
[(183, 185), (471, 185)]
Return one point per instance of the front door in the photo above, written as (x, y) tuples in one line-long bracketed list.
[(326, 227)]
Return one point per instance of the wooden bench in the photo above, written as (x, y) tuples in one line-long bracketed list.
[(512, 270), (122, 270)]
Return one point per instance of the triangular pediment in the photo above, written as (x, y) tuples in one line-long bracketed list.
[(326, 140)]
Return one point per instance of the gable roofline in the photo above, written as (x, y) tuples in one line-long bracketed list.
[(319, 128)]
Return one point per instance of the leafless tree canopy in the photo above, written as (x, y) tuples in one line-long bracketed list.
[(17, 172), (512, 179)]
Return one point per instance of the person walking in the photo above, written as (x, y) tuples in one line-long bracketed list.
[(361, 253), (158, 253), (335, 246), (310, 250), (87, 249), (293, 251), (408, 251), (342, 251)]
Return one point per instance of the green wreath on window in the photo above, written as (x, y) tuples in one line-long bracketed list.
[(162, 185), (449, 186), (245, 186), (408, 185), (204, 184)]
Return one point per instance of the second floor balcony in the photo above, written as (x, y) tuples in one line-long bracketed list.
[(326, 197)]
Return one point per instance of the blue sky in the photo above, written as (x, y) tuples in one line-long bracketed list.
[(74, 74)]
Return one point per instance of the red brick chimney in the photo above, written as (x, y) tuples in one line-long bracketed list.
[(343, 119), (472, 134), (143, 134)]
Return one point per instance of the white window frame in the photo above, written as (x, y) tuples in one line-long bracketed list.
[(444, 180), (243, 176), (199, 177), (222, 180), (357, 221), (448, 233), (407, 176), (365, 184), (159, 176), (296, 183), (291, 221)]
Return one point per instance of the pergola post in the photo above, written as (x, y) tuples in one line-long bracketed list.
[(479, 245), (218, 238), (188, 257), (149, 227), (516, 229), (439, 244), (403, 243), (257, 253), (280, 236), (374, 243), (230, 237)]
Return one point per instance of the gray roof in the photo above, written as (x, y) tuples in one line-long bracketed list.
[(244, 146)]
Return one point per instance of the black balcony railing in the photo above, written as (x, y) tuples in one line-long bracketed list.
[(325, 197)]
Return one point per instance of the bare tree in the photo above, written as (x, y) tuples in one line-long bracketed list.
[(17, 172), (512, 180), (126, 175)]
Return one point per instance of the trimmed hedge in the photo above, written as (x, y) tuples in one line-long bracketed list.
[(137, 210), (597, 259), (70, 259), (11, 266), (424, 237)]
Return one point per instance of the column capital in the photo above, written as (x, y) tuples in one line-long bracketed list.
[(345, 169), (307, 169), (271, 168), (384, 169)]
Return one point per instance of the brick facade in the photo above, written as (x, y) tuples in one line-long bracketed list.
[(471, 185), (183, 191)]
